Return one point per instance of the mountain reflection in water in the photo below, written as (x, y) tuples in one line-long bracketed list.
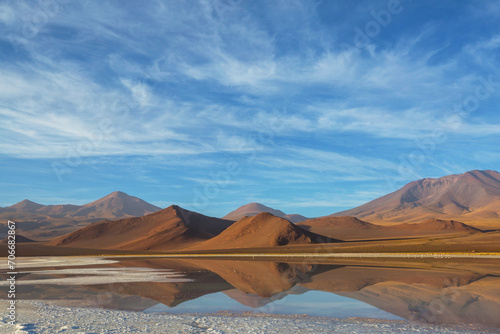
[(441, 292)]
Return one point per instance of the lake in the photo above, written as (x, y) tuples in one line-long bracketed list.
[(448, 292)]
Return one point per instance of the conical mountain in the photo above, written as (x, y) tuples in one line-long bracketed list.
[(472, 198), (262, 230), (253, 209), (170, 228), (42, 222), (26, 206), (116, 205)]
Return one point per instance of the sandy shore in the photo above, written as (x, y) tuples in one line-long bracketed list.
[(40, 317)]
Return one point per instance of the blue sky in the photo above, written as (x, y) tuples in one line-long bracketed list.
[(310, 107)]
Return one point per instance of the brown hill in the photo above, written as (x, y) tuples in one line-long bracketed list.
[(352, 228), (253, 209), (262, 230), (42, 222), (435, 225), (166, 229), (295, 218), (344, 227), (19, 239), (338, 223), (472, 197)]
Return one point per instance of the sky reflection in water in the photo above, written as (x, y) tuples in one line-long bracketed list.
[(446, 292)]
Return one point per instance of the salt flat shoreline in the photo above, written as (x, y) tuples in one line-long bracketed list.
[(430, 255), (81, 260), (331, 255), (46, 317)]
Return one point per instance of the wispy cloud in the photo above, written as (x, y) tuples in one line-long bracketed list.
[(279, 86), (59, 102)]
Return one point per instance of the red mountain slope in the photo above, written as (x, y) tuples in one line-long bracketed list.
[(170, 228)]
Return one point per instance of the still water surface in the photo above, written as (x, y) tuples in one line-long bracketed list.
[(439, 292)]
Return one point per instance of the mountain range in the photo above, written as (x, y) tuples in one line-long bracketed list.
[(451, 204), (113, 206), (42, 222), (175, 228), (351, 228), (472, 198)]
